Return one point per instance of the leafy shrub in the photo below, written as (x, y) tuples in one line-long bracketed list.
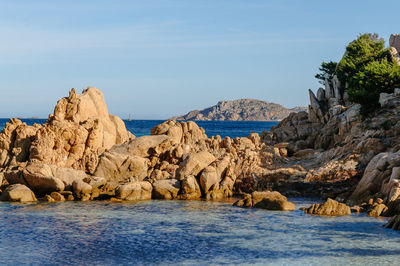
[(327, 71), (368, 69)]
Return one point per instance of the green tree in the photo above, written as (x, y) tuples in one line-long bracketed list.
[(366, 70), (327, 71)]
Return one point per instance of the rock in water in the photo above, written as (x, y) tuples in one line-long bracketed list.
[(329, 208), (269, 200), (19, 193), (134, 191), (166, 189), (394, 223)]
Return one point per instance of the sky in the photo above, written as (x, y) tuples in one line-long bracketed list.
[(155, 59)]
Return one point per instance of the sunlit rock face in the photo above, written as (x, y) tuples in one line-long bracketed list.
[(74, 136)]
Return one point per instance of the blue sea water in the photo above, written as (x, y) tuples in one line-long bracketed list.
[(212, 128), (187, 233)]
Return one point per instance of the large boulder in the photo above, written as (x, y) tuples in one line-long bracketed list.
[(381, 176), (194, 164), (144, 146), (19, 193), (82, 190), (166, 189), (134, 191), (209, 178), (217, 180), (171, 128), (119, 167), (181, 132), (190, 188), (40, 178), (43, 178), (329, 208), (269, 200)]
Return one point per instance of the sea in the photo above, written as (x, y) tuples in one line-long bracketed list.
[(231, 129), (189, 232)]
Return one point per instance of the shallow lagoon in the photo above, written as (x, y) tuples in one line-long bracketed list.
[(187, 232)]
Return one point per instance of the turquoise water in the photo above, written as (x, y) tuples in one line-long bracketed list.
[(188, 232), (223, 128)]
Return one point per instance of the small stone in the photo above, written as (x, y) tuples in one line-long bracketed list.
[(47, 198), (370, 201), (57, 196), (355, 209), (116, 200)]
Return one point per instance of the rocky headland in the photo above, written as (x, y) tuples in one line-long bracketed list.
[(334, 152), (241, 110)]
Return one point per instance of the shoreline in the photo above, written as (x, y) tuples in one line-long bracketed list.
[(90, 155)]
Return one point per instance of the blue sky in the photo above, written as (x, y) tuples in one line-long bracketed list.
[(157, 58)]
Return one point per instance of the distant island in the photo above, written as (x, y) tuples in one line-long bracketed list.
[(241, 110)]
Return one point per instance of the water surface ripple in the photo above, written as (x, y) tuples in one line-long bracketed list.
[(187, 232)]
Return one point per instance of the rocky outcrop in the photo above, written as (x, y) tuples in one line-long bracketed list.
[(329, 208), (18, 193), (269, 200), (241, 110), (381, 178), (73, 137), (333, 143)]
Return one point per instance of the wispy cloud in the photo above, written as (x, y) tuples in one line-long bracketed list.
[(18, 41)]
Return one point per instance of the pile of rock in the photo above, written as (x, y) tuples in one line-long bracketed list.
[(82, 152)]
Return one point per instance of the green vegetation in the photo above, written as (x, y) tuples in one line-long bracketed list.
[(327, 71), (366, 70)]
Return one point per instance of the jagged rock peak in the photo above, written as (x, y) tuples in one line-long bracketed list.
[(74, 136), (91, 106)]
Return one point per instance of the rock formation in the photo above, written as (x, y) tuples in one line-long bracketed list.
[(269, 200), (18, 193), (241, 110), (73, 137), (329, 208), (83, 153)]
